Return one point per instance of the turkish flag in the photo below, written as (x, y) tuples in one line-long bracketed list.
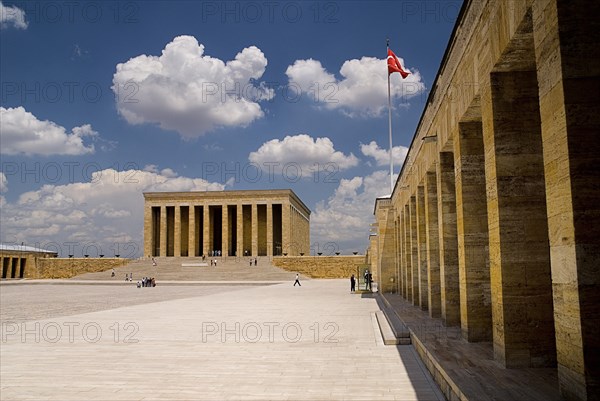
[(394, 65)]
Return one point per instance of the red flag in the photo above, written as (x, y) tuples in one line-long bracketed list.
[(394, 65)]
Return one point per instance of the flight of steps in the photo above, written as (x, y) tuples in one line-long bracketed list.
[(171, 269)]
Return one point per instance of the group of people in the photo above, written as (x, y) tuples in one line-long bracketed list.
[(368, 277), (255, 261), (146, 282), (213, 262), (214, 253)]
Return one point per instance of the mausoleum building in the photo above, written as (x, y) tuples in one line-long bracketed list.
[(230, 223)]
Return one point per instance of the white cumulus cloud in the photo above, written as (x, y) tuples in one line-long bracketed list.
[(344, 219), (22, 133), (190, 92), (12, 16), (382, 156), (104, 214), (301, 155), (362, 91), (3, 183)]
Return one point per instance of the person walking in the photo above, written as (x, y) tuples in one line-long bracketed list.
[(352, 284), (297, 280)]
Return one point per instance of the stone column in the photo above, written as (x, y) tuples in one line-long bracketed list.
[(163, 230), (567, 53), (206, 246), (401, 256), (293, 229), (285, 230), (177, 232), (269, 230), (414, 251), (192, 231), (224, 230), (422, 249), (433, 244), (240, 229), (148, 230), (472, 230), (407, 254), (518, 226), (448, 243), (398, 252), (254, 229)]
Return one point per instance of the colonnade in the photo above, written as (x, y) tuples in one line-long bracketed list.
[(219, 223), (493, 224)]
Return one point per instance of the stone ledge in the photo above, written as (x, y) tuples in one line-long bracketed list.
[(389, 338)]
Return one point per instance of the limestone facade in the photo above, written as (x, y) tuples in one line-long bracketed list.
[(338, 266), (494, 221), (22, 261), (234, 223)]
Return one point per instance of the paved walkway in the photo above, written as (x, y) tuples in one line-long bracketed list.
[(470, 367), (317, 342)]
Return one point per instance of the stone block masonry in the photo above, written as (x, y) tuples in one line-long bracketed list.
[(511, 254), (230, 223)]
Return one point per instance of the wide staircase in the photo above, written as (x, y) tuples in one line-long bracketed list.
[(192, 269)]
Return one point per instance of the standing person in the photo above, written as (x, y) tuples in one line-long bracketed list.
[(297, 280), (366, 277), (255, 261), (130, 276), (112, 274), (153, 262), (250, 262), (352, 284)]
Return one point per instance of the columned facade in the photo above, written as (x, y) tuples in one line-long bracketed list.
[(226, 223), (496, 215)]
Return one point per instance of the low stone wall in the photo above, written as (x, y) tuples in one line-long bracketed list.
[(321, 266), (70, 267)]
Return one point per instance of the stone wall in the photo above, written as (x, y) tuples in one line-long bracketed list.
[(70, 267), (21, 264), (322, 266), (497, 218)]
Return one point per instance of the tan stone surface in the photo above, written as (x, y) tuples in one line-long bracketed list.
[(449, 281), (422, 249), (322, 266), (472, 232), (432, 245), (70, 267), (524, 70)]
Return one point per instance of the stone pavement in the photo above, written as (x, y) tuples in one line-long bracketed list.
[(468, 370), (315, 342)]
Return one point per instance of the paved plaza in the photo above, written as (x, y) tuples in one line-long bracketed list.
[(116, 342)]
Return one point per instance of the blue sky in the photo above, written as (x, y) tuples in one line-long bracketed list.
[(102, 101)]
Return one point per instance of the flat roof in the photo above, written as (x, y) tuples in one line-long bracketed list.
[(23, 248), (242, 193)]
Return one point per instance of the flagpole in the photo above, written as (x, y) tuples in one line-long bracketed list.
[(390, 126)]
